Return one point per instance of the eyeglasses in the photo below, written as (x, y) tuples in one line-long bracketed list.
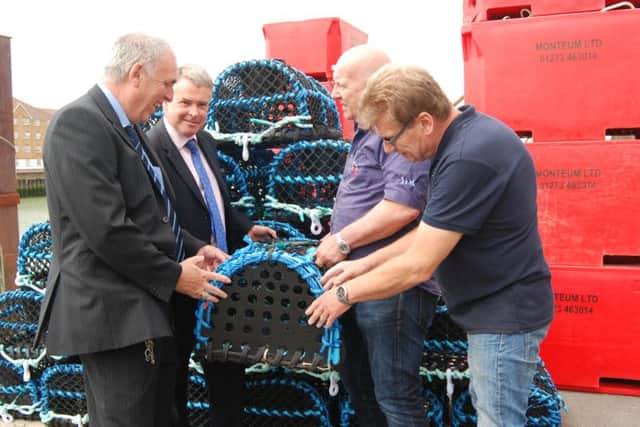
[(392, 141)]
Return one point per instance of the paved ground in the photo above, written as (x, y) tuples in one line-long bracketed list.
[(585, 410), (600, 410)]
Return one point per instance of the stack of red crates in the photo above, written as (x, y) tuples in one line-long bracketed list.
[(313, 46), (564, 75)]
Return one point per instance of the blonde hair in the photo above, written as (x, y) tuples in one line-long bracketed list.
[(196, 74), (403, 92)]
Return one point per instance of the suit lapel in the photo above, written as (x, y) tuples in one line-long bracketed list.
[(103, 103), (177, 162)]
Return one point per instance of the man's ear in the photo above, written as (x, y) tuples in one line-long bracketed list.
[(135, 74), (426, 121)]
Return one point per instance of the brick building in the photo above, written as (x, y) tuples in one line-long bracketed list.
[(29, 128)]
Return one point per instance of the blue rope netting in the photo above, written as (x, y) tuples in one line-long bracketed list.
[(273, 256), (308, 173), (303, 401), (237, 183), (198, 400), (285, 230), (62, 394), (34, 255), (249, 93), (19, 313), (17, 397)]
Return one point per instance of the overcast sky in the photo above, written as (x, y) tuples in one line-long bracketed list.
[(59, 48)]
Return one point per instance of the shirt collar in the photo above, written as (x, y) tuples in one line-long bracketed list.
[(178, 140), (115, 104)]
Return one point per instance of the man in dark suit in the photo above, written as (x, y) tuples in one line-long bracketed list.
[(116, 246), (188, 156)]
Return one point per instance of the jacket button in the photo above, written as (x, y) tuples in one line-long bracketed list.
[(165, 219)]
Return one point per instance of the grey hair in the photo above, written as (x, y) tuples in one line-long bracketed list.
[(131, 49), (197, 74)]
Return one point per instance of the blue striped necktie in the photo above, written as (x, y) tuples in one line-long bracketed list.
[(217, 228), (171, 213)]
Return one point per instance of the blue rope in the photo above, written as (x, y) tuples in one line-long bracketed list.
[(320, 409), (254, 254)]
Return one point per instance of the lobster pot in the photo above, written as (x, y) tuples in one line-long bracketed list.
[(545, 402), (281, 399), (285, 231), (237, 184), (270, 90), (303, 182), (263, 319), (34, 254), (64, 400), (19, 312), (445, 346), (18, 399), (197, 400), (247, 177)]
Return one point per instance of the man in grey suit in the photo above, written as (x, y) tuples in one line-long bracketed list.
[(116, 247), (176, 139)]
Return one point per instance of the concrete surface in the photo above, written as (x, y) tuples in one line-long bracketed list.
[(600, 410)]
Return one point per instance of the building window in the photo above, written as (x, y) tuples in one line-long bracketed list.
[(27, 135), (27, 149), (17, 148), (33, 163), (26, 122), (15, 136), (36, 122), (38, 135), (21, 163), (38, 148)]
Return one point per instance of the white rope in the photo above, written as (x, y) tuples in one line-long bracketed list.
[(619, 5)]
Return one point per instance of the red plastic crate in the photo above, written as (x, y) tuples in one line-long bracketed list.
[(557, 77), (593, 344), (589, 202), (313, 46), (487, 10)]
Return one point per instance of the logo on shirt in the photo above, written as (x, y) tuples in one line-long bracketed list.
[(407, 181), (354, 168)]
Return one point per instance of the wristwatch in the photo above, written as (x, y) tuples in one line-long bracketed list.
[(342, 295), (343, 246)]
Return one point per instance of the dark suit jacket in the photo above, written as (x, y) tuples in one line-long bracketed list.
[(113, 270), (190, 205)]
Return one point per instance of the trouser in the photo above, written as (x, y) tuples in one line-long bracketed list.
[(502, 367), (225, 381), (126, 388), (383, 343)]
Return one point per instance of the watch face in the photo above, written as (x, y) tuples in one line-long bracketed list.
[(341, 293)]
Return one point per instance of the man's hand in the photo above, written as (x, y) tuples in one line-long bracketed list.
[(212, 257), (260, 233), (194, 281), (325, 310), (327, 253), (340, 273)]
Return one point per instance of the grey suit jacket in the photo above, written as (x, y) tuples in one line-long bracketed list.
[(113, 269)]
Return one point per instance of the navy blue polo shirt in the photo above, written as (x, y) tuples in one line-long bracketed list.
[(483, 184)]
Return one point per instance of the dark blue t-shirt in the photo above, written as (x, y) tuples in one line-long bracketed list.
[(483, 185)]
